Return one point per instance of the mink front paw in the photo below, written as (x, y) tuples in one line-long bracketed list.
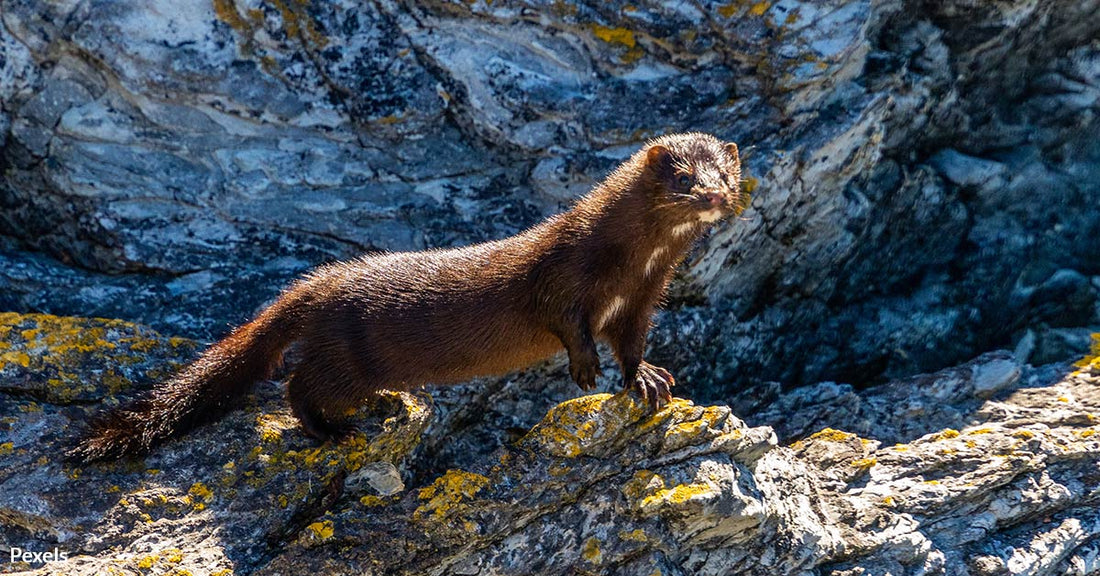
[(653, 384), (584, 374)]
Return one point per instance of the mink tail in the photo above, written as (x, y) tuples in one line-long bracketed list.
[(201, 392)]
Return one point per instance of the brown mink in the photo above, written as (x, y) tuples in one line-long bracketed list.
[(401, 320)]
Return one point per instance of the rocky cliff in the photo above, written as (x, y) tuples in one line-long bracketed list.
[(924, 175), (987, 468)]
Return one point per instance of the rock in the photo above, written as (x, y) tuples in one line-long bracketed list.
[(177, 163), (971, 484)]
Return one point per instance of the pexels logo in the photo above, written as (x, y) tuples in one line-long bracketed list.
[(21, 555)]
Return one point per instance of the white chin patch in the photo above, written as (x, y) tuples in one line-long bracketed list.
[(710, 215)]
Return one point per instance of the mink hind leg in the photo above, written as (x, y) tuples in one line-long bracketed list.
[(324, 393)]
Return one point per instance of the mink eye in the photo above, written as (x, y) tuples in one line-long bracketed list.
[(685, 180)]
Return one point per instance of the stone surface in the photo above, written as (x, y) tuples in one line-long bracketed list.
[(924, 174), (990, 467), (924, 179)]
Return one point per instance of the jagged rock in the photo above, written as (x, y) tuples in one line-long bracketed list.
[(924, 174), (995, 473)]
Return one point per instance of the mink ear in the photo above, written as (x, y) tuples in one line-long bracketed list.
[(731, 149), (658, 156)]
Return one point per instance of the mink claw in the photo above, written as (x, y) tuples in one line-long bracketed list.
[(653, 383), (585, 375)]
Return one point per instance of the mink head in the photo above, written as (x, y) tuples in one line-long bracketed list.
[(695, 177)]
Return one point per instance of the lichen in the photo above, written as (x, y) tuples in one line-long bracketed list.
[(448, 492), (829, 434), (864, 463), (946, 434), (591, 551), (614, 35), (1091, 362), (678, 495), (371, 501), (64, 358), (621, 37), (200, 495), (322, 530)]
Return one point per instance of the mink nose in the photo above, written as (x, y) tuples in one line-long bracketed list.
[(715, 199)]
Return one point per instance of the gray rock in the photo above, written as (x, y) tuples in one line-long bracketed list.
[(942, 480), (910, 189)]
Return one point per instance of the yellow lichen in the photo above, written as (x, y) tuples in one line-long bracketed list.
[(447, 492), (591, 551), (321, 530), (946, 434), (1091, 362), (371, 501), (199, 492), (642, 483), (6, 448), (759, 8), (637, 535), (980, 431), (226, 11), (17, 357), (614, 35), (832, 435), (147, 562), (678, 495), (864, 463), (1023, 434)]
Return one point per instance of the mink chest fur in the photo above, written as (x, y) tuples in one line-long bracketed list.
[(401, 320)]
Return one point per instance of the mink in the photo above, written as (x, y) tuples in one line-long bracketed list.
[(395, 321)]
